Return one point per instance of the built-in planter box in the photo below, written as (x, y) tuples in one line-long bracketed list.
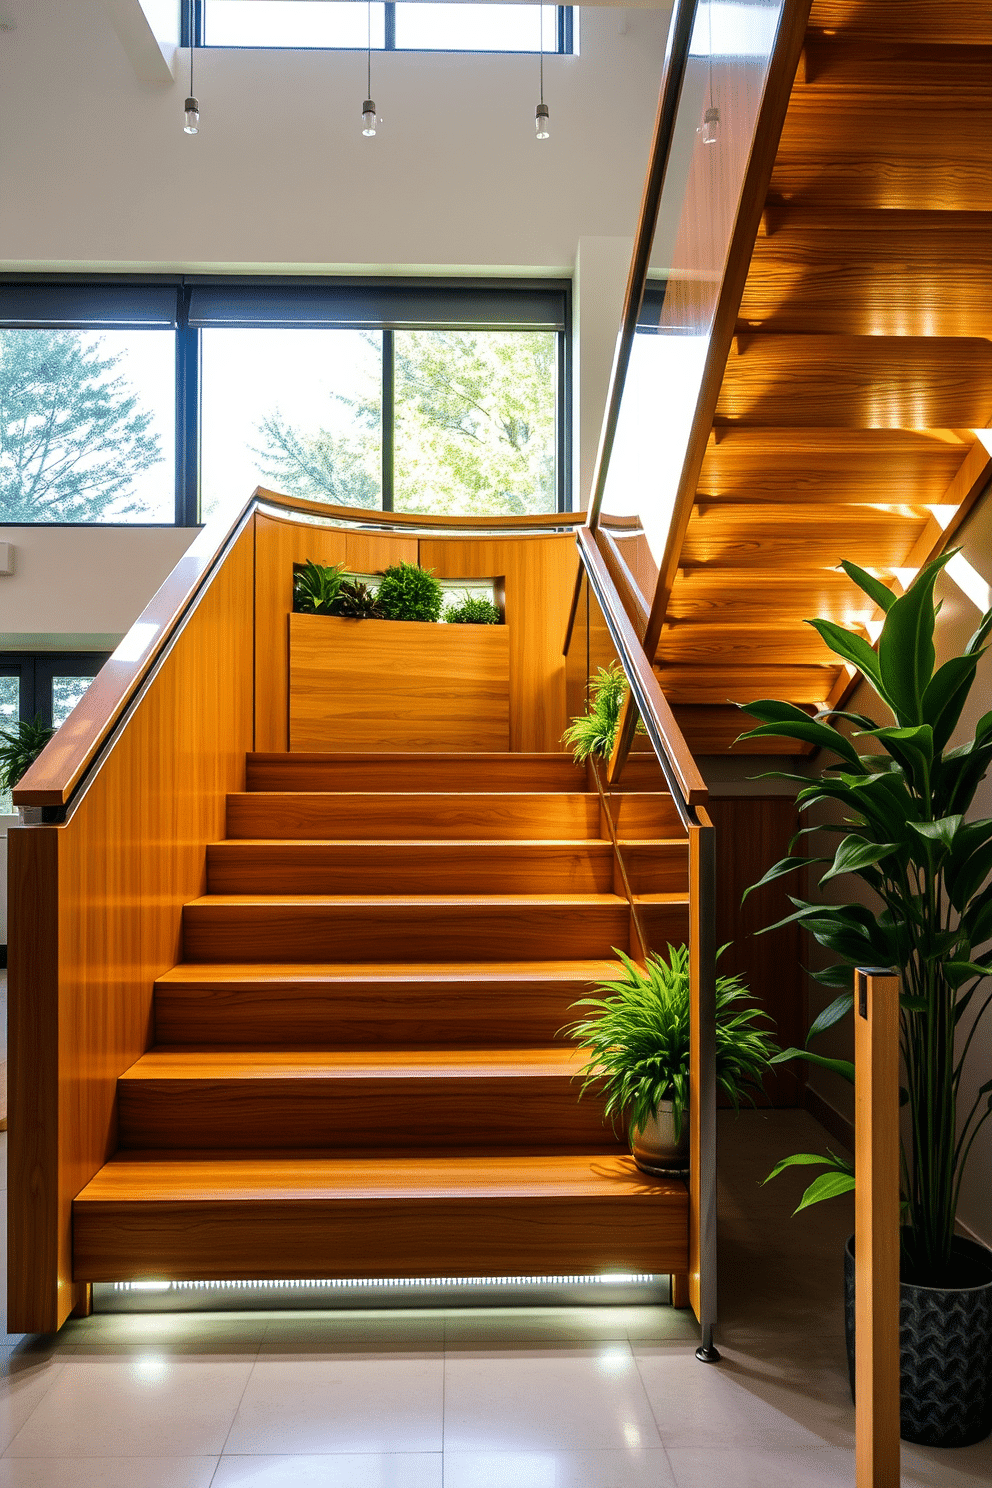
[(397, 685)]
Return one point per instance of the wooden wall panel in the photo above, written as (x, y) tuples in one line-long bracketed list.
[(540, 578), (129, 855), (279, 544), (397, 685), (753, 832)]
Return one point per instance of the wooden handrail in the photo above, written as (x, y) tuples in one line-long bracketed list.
[(60, 769), (688, 786)]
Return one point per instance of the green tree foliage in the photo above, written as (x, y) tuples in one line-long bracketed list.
[(72, 433), (474, 430)]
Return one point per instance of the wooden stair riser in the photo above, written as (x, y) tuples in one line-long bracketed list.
[(389, 930), (496, 867), (421, 772), (318, 1238), (546, 816), (378, 1012), (416, 1113)]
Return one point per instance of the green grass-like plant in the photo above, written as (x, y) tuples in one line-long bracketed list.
[(593, 733), (317, 587), (638, 1039), (409, 592), (473, 612), (19, 748), (903, 831)]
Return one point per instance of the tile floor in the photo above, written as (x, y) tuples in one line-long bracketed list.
[(597, 1397)]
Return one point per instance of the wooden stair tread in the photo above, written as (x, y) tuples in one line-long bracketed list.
[(463, 902), (282, 1064), (415, 974), (168, 1177)]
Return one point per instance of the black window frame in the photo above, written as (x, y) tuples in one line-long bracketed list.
[(565, 31), (366, 303), (37, 671)]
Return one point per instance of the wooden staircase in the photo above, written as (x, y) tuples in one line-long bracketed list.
[(355, 1070)]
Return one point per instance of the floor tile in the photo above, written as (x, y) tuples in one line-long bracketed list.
[(328, 1332), (344, 1470), (528, 1401), (210, 1334), (562, 1469), (948, 1467), (148, 1405), (762, 1467), (565, 1324), (352, 1403), (107, 1472), (25, 1379)]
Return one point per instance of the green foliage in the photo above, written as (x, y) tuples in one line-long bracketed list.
[(904, 803), (357, 601), (638, 1039), (473, 612), (593, 733), (474, 430), (317, 588), (20, 746), (72, 434), (409, 592)]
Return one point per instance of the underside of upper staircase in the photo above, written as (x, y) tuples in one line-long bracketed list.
[(862, 359)]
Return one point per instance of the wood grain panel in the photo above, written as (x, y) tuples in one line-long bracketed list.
[(558, 815), (722, 645), (412, 928), (885, 466), (879, 67), (373, 1005), (281, 542), (714, 730), (394, 684), (754, 596), (862, 277), (540, 579), (753, 832), (716, 685), (414, 772), (794, 538), (518, 1100), (500, 866), (232, 1218), (130, 853), (967, 22), (910, 382)]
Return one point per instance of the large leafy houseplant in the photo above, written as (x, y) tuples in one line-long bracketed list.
[(593, 733), (904, 796), (20, 746), (637, 1039)]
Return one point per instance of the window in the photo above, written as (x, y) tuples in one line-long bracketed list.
[(139, 402), (407, 25), (44, 685)]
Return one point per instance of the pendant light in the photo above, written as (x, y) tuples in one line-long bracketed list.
[(192, 122), (542, 118), (711, 118), (369, 120)]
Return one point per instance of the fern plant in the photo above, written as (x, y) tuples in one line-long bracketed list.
[(19, 748), (473, 612), (316, 588), (409, 592), (593, 733), (638, 1039)]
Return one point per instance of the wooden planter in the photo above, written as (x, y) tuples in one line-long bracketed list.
[(397, 685)]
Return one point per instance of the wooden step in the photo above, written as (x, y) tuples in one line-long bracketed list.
[(326, 927), (373, 1005), (414, 772), (387, 1101), (736, 535), (530, 815), (964, 22), (909, 382), (218, 1216), (500, 866)]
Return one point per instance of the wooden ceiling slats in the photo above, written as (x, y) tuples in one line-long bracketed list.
[(862, 361)]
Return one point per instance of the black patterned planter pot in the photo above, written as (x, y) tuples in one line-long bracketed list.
[(945, 1354)]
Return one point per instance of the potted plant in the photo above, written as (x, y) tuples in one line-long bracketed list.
[(904, 800), (473, 612), (638, 1042), (409, 592), (593, 733), (20, 746)]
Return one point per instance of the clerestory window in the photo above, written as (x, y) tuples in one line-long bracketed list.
[(406, 25)]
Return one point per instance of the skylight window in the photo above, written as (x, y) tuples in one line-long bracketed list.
[(406, 25)]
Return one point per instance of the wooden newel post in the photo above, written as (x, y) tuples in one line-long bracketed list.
[(876, 1228)]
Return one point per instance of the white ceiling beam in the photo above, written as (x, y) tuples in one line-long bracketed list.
[(148, 30)]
